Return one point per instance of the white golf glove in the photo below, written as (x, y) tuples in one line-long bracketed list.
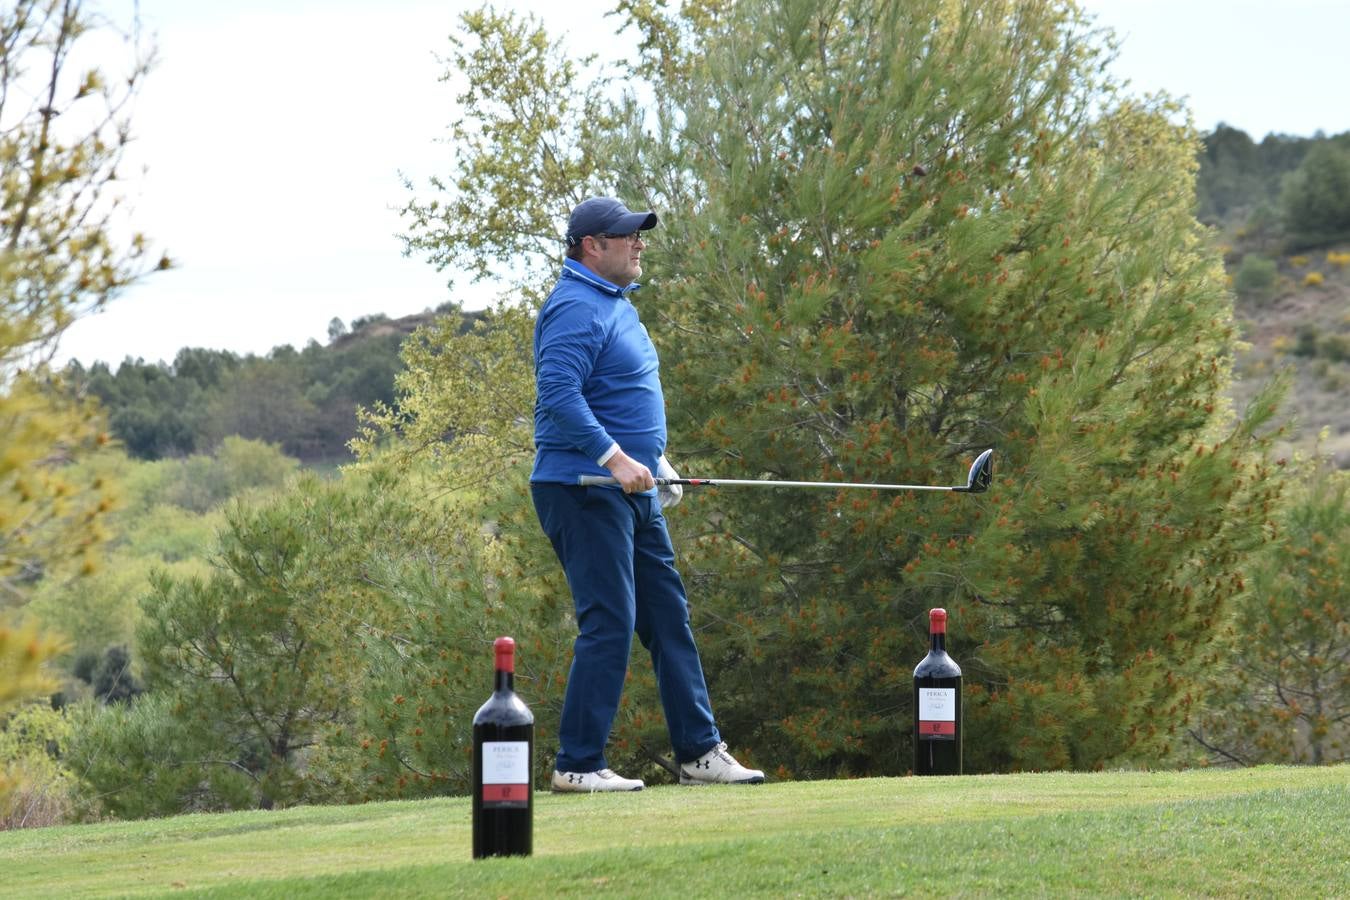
[(668, 495)]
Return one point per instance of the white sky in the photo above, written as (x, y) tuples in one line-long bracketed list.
[(274, 132)]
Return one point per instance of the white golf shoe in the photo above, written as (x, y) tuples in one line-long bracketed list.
[(717, 766), (593, 782)]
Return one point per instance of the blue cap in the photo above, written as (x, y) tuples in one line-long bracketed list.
[(605, 215)]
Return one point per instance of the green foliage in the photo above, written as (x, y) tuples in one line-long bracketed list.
[(165, 518), (525, 150), (63, 252), (462, 426), (1255, 277), (152, 412), (1305, 343), (1335, 347), (1316, 197), (103, 608), (43, 790), (136, 760), (23, 775), (22, 653), (467, 385), (1042, 289), (246, 653), (1231, 175), (51, 517), (431, 671), (305, 401), (873, 264), (1283, 694), (258, 667), (1310, 342), (238, 466), (264, 401), (109, 675)]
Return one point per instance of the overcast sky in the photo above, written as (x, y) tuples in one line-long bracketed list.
[(274, 132)]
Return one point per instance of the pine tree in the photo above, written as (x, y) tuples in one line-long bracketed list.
[(914, 231), (1282, 694), (894, 234)]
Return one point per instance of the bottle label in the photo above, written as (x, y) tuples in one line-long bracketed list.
[(937, 713), (506, 773)]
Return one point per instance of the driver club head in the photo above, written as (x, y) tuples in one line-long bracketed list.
[(981, 473)]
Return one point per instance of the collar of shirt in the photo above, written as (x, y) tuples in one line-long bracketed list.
[(574, 269)]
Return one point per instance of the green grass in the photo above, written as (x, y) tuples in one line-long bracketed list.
[(1249, 832)]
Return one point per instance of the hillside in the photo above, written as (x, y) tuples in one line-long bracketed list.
[(1301, 322), (1280, 211)]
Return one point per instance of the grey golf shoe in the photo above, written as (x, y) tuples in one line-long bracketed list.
[(717, 766), (593, 782)]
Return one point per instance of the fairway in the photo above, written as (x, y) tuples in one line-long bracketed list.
[(1267, 831)]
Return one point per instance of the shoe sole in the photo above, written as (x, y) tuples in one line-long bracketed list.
[(694, 782), (569, 790)]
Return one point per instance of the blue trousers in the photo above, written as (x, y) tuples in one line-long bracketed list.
[(620, 566)]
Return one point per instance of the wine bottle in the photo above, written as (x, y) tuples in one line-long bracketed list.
[(503, 766), (937, 705)]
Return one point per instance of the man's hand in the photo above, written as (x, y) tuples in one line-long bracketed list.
[(668, 494), (631, 474)]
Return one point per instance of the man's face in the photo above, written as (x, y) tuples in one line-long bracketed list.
[(617, 259)]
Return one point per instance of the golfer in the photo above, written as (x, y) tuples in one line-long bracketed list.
[(599, 411)]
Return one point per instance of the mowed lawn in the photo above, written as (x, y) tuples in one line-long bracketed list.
[(1247, 832)]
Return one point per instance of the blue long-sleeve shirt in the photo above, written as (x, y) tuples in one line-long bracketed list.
[(597, 380)]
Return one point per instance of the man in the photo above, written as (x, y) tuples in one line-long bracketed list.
[(600, 411)]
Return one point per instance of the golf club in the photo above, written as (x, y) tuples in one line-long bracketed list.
[(977, 482)]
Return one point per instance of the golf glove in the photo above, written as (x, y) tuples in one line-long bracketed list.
[(671, 494)]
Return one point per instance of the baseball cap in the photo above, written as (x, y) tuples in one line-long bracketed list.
[(605, 215)]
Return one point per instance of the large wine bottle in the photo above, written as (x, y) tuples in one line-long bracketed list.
[(503, 766), (937, 705)]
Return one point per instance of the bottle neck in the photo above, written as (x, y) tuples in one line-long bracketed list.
[(938, 641), (506, 681)]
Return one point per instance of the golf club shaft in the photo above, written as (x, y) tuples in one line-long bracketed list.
[(977, 482), (750, 482)]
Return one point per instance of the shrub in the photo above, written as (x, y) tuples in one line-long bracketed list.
[(1316, 196), (40, 790), (1255, 277), (1306, 342), (1312, 279), (109, 675), (1298, 262), (137, 760), (1335, 347), (1282, 693), (1339, 260)]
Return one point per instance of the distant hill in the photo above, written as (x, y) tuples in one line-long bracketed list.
[(1280, 210), (1303, 323), (380, 326), (304, 401)]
